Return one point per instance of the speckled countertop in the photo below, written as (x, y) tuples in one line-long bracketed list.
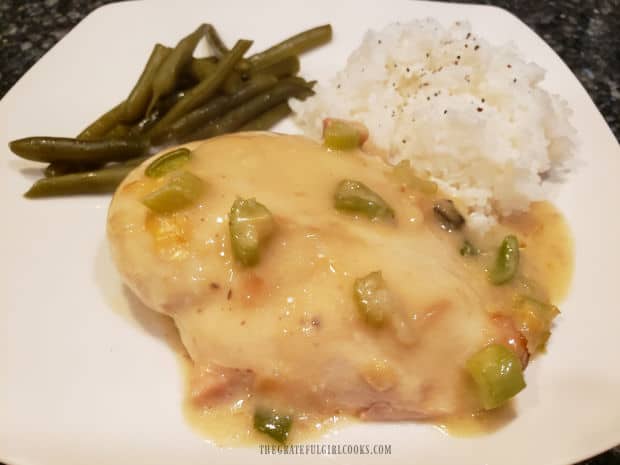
[(583, 32)]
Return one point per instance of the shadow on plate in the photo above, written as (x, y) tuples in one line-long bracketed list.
[(30, 172), (125, 303)]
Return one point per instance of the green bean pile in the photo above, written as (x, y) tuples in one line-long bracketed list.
[(177, 98)]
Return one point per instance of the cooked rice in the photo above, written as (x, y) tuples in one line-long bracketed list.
[(470, 115)]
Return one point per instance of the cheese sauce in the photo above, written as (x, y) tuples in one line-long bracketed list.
[(286, 333)]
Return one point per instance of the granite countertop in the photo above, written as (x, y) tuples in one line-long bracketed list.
[(583, 32)]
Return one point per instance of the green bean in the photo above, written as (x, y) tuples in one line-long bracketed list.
[(140, 96), (91, 182), (237, 117), (233, 82), (98, 128), (273, 424), (289, 66), (497, 373), (120, 131), (182, 190), (199, 94), (372, 299), (201, 68), (133, 162), (146, 123), (300, 82), (168, 73), (449, 217), (52, 149), (506, 262), (198, 118), (59, 168), (268, 119), (218, 46), (292, 46), (250, 224), (355, 197), (168, 162)]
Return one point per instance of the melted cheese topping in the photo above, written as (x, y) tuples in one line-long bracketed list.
[(287, 332)]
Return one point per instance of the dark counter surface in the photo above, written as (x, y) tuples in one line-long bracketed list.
[(585, 33)]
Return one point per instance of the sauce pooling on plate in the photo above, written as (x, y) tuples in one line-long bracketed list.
[(309, 284)]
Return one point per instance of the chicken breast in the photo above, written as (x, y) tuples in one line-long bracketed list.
[(288, 329)]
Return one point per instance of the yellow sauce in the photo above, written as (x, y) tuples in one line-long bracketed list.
[(542, 232), (292, 319), (478, 424), (548, 246)]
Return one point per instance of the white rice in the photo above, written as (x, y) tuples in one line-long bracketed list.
[(469, 115)]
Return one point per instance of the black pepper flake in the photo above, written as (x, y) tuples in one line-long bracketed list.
[(508, 66), (428, 54), (214, 286), (229, 295), (458, 57), (476, 47), (379, 42), (479, 109), (483, 100), (466, 45), (514, 80), (428, 98), (468, 35), (445, 112), (338, 86), (242, 322), (404, 141), (395, 65), (407, 69), (456, 62)]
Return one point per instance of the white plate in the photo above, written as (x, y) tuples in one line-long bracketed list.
[(83, 380)]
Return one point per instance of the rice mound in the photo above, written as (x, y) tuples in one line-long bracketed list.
[(469, 115)]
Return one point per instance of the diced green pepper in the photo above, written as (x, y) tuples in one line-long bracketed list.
[(497, 373), (534, 319), (355, 197), (468, 249), (250, 224), (273, 424), (372, 298), (168, 163), (182, 190), (507, 261), (406, 175), (343, 135), (447, 214)]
